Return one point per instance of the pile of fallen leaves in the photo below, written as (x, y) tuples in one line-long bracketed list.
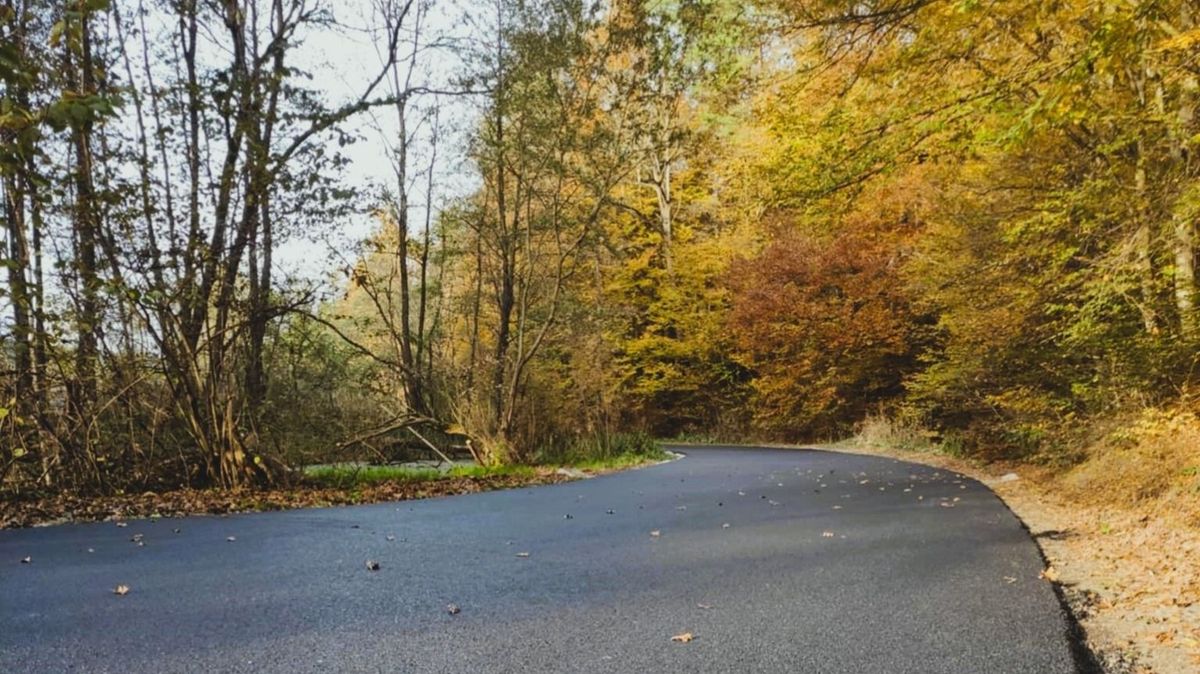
[(1132, 576), (48, 509)]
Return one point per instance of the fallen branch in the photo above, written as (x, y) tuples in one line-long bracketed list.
[(430, 445)]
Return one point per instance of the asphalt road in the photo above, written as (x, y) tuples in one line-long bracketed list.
[(774, 560)]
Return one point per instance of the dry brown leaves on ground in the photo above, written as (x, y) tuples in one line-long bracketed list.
[(1133, 580), (66, 507)]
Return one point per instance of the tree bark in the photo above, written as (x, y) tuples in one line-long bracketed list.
[(83, 79), (18, 263), (1183, 234)]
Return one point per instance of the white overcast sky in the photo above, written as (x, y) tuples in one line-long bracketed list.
[(342, 62)]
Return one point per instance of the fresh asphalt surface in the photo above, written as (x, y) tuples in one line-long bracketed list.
[(830, 563)]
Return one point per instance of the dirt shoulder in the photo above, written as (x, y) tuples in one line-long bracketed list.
[(1131, 575)]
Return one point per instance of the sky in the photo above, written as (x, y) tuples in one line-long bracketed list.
[(342, 62)]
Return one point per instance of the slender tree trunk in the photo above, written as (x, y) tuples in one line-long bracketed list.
[(412, 391), (260, 296), (476, 309), (1183, 239), (86, 226), (1142, 245), (1184, 244), (41, 338), (505, 297), (505, 301), (666, 216), (423, 339), (18, 263)]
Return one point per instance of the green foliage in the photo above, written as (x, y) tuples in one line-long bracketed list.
[(691, 218), (321, 392), (602, 450), (344, 476)]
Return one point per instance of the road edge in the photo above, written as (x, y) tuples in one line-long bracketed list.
[(1089, 656)]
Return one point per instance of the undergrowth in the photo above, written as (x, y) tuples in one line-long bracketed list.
[(1147, 459)]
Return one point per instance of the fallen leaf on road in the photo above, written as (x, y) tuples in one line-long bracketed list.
[(683, 638), (453, 609), (121, 590), (372, 565)]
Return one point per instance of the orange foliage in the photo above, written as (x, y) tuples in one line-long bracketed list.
[(825, 321)]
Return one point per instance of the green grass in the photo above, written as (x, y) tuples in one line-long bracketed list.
[(602, 453), (618, 461), (491, 471), (342, 476)]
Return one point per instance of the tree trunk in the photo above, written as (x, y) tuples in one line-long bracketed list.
[(1183, 239), (17, 263), (1184, 244), (1142, 243), (666, 216), (83, 79)]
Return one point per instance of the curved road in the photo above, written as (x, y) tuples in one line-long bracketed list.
[(775, 560)]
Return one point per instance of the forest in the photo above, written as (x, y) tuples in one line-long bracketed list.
[(961, 223)]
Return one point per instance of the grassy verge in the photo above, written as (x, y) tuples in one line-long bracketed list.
[(617, 462), (602, 452), (349, 476), (341, 476), (338, 484)]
